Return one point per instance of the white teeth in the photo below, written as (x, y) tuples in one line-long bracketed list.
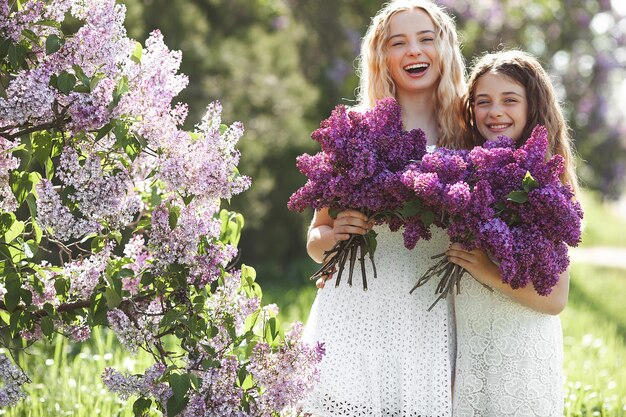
[(415, 66), (498, 126)]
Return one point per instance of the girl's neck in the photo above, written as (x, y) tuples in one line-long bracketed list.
[(418, 111)]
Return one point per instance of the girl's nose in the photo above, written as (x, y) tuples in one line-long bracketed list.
[(414, 48), (495, 111)]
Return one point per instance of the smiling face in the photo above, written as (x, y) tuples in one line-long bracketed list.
[(500, 107), (412, 55)]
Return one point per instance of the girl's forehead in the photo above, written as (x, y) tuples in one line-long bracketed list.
[(415, 19), (494, 77)]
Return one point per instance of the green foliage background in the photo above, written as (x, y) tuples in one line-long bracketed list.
[(280, 66)]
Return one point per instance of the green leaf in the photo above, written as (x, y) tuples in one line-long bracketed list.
[(248, 274), (410, 208), (103, 131), (141, 406), (53, 44), (137, 52), (188, 199), (175, 405), (17, 55), (529, 183), (113, 298), (519, 197), (23, 183), (117, 235), (32, 205), (172, 217), (60, 285), (30, 35), (370, 237), (66, 82), (47, 326), (30, 249), (50, 23), (12, 296), (428, 217), (38, 232), (272, 331), (17, 228), (333, 212), (82, 89), (4, 47), (180, 384)]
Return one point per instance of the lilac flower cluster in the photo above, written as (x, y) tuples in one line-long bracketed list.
[(147, 385), (203, 163), (7, 163), (102, 196), (284, 373), (219, 394), (362, 158), (12, 380), (180, 243), (131, 335), (152, 85), (509, 202), (86, 274)]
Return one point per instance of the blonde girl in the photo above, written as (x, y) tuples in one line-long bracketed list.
[(386, 355)]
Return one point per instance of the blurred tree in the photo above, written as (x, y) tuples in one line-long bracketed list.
[(280, 66)]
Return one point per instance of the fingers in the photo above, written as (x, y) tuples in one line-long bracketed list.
[(350, 222), (352, 213), (460, 256), (321, 282)]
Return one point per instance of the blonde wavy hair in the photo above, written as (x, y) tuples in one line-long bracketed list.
[(543, 106), (376, 82)]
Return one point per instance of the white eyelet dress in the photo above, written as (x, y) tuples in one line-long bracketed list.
[(386, 355), (509, 357)]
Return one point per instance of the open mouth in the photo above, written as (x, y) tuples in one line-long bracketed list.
[(499, 126), (416, 68)]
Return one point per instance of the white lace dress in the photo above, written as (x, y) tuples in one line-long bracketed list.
[(386, 355), (509, 357)]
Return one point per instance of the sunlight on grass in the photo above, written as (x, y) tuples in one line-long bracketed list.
[(66, 379), (604, 226)]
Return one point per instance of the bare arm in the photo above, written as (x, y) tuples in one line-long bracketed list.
[(478, 264), (325, 231)]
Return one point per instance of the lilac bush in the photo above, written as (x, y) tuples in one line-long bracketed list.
[(111, 217)]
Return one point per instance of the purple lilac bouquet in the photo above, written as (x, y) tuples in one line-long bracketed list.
[(509, 202), (360, 167)]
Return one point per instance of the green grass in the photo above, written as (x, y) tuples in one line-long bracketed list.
[(594, 338), (66, 378), (604, 226)]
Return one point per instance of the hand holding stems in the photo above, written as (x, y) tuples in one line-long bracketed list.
[(327, 233), (350, 222), (478, 264)]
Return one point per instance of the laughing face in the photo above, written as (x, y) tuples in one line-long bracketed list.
[(500, 107), (412, 55)]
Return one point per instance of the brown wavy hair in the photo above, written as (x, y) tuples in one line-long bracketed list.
[(543, 106), (375, 81)]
